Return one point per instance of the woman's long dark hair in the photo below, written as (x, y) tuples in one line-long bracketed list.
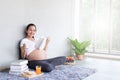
[(31, 24)]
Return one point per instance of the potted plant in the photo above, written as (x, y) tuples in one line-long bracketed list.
[(79, 48)]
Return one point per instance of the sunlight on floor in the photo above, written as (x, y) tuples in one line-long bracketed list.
[(107, 69)]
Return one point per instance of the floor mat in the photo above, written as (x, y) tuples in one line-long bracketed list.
[(62, 72)]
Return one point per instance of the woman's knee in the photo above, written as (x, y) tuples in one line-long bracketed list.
[(47, 67), (62, 58)]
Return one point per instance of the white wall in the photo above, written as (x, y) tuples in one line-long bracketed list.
[(52, 17), (11, 25)]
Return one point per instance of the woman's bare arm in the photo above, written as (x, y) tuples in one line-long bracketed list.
[(23, 51), (47, 42)]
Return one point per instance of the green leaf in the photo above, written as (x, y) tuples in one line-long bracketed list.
[(79, 47)]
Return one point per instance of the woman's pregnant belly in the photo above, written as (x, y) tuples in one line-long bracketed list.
[(37, 55)]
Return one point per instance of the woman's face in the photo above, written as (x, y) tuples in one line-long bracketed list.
[(31, 31)]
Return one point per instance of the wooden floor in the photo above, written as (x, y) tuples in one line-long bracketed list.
[(107, 69)]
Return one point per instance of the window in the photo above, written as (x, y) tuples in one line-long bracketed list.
[(98, 21)]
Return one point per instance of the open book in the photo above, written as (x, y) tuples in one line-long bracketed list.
[(40, 43), (20, 62)]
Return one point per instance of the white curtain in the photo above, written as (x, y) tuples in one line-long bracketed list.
[(99, 22)]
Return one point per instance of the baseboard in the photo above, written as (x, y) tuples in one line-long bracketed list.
[(103, 56), (4, 68)]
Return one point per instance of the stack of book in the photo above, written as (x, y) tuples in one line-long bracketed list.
[(18, 67)]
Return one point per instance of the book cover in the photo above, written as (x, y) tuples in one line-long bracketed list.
[(18, 70), (19, 62), (14, 67), (40, 43), (17, 73)]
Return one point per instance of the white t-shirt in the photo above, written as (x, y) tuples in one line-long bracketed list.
[(32, 45)]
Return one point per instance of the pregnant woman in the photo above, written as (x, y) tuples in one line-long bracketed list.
[(36, 55)]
